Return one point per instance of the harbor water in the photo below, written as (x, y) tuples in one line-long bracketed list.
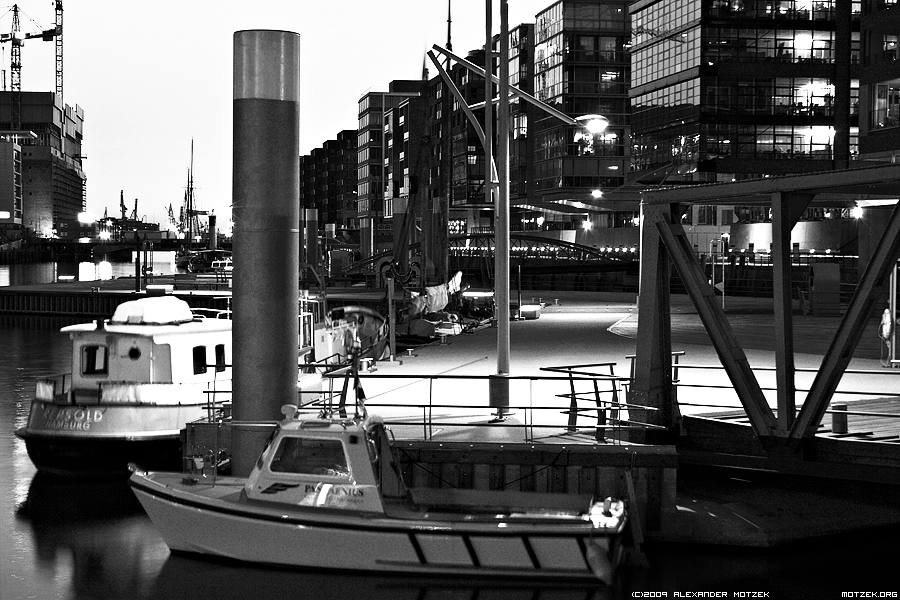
[(73, 539), (162, 263)]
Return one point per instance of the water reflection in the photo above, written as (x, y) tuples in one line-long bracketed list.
[(183, 577), (163, 263), (96, 534)]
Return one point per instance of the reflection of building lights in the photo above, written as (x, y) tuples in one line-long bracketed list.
[(104, 271), (86, 218)]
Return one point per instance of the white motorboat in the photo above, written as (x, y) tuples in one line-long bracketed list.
[(136, 379), (327, 494)]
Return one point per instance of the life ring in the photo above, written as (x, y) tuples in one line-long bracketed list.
[(886, 328)]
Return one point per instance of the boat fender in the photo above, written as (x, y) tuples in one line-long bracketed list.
[(598, 559), (886, 329)]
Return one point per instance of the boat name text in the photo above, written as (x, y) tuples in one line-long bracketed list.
[(79, 419)]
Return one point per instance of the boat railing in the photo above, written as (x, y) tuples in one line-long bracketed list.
[(595, 404)]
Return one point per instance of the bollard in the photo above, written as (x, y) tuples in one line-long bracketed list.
[(839, 418), (498, 396)]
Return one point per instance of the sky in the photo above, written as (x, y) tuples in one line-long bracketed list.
[(154, 76)]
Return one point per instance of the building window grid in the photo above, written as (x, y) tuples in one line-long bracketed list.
[(666, 57), (742, 44), (886, 106)]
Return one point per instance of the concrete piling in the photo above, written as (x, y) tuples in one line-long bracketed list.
[(266, 209)]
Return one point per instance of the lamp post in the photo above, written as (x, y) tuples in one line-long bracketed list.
[(499, 385)]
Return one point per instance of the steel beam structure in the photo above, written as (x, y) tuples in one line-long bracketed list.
[(871, 286), (663, 239)]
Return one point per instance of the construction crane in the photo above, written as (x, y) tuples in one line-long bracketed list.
[(17, 40), (134, 214), (172, 221)]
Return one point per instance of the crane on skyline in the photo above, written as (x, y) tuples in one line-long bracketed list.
[(16, 40)]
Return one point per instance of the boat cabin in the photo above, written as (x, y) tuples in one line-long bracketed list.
[(148, 347), (341, 464)]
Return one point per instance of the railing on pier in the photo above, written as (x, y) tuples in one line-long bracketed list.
[(883, 424), (604, 419)]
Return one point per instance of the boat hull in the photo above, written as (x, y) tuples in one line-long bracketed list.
[(100, 440), (216, 521)]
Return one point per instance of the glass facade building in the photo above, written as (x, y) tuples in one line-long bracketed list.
[(880, 81), (733, 89), (581, 68)]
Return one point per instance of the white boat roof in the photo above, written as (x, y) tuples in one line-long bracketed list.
[(154, 316)]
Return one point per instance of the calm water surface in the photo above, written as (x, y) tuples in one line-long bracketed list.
[(87, 539), (48, 272)]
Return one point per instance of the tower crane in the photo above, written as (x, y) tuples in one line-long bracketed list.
[(16, 40)]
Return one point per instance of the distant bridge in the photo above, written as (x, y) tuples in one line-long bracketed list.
[(473, 255)]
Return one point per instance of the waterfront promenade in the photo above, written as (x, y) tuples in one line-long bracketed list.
[(713, 506), (577, 328)]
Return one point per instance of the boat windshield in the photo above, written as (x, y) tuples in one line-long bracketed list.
[(306, 456)]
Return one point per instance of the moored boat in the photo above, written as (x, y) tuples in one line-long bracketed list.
[(327, 494), (136, 379)]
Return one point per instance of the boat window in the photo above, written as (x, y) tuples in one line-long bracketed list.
[(199, 360), (94, 360), (310, 457), (220, 357)]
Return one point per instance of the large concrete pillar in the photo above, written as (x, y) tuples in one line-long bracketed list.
[(266, 208)]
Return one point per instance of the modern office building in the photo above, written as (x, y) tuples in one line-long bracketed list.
[(731, 90), (328, 181), (581, 68), (407, 202), (375, 231), (460, 152), (53, 182), (879, 87)]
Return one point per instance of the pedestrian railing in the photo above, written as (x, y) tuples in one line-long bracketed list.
[(880, 424), (424, 403)]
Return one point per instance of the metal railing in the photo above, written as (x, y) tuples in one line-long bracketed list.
[(605, 418), (839, 411)]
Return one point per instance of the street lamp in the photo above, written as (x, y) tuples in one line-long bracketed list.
[(593, 123), (499, 390)]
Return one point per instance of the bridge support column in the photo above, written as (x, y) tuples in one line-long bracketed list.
[(652, 385)]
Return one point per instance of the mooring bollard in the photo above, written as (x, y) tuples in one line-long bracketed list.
[(839, 418)]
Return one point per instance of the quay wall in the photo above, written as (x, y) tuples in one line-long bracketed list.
[(85, 304)]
